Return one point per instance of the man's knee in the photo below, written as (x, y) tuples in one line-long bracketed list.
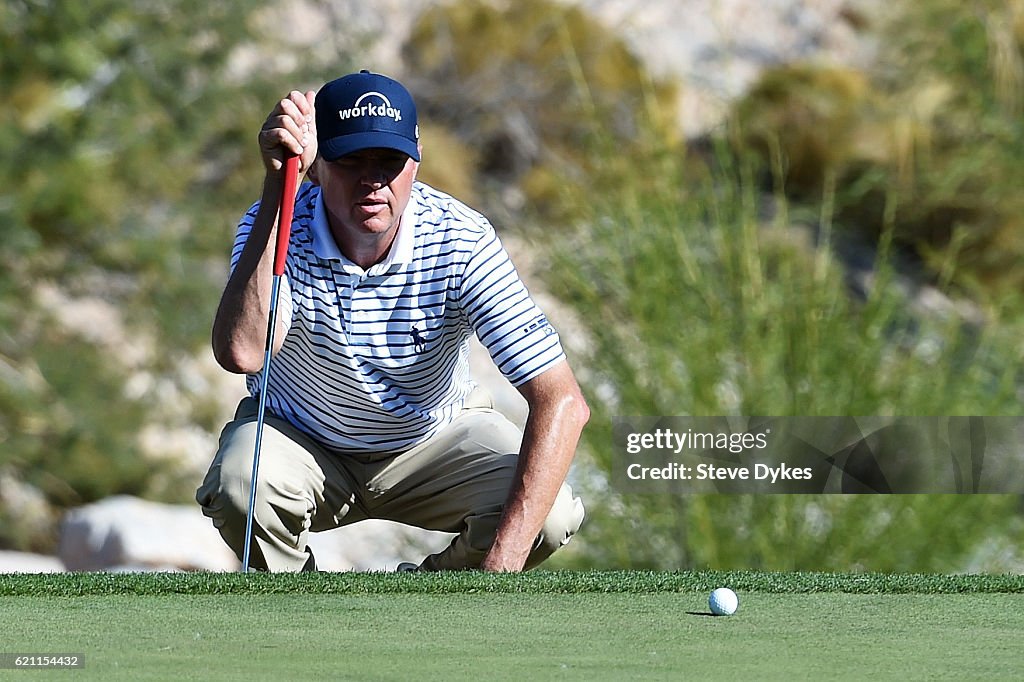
[(225, 490), (284, 488), (562, 523)]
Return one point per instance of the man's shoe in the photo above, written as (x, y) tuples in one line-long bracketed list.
[(407, 567)]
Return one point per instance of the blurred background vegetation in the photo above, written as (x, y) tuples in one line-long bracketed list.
[(845, 242), (125, 153)]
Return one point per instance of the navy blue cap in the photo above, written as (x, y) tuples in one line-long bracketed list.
[(362, 111)]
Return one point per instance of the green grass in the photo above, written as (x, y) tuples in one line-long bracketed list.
[(534, 582), (541, 625)]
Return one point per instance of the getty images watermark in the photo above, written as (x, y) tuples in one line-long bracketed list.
[(819, 454), (669, 440)]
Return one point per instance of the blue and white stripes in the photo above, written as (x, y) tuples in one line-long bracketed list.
[(378, 360)]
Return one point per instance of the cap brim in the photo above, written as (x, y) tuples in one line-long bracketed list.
[(337, 147)]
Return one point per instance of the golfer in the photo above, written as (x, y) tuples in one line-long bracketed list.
[(371, 411)]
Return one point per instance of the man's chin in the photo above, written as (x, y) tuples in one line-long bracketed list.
[(377, 219), (374, 226)]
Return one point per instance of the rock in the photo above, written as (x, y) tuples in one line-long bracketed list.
[(126, 533), (23, 562), (716, 49)]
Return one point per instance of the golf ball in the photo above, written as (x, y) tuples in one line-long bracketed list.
[(723, 602)]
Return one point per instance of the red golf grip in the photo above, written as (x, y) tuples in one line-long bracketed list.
[(287, 210)]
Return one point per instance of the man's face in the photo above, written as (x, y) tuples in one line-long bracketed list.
[(366, 192)]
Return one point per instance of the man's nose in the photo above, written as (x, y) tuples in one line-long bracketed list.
[(373, 174)]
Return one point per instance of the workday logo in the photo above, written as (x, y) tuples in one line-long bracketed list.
[(372, 107), (362, 111)]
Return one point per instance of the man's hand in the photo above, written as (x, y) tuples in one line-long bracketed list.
[(290, 130)]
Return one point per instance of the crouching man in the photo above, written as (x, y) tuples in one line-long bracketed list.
[(371, 412)]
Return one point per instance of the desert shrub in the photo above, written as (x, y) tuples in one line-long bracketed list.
[(525, 85), (927, 141), (448, 163)]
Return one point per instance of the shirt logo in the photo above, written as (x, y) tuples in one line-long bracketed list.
[(371, 108), (537, 323), (419, 343)]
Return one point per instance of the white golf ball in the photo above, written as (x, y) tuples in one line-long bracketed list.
[(723, 602)]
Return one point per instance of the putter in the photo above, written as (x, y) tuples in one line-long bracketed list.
[(284, 228)]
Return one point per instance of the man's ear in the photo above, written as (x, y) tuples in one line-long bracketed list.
[(419, 148), (313, 174)]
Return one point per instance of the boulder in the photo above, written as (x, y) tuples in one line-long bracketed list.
[(23, 562), (124, 532)]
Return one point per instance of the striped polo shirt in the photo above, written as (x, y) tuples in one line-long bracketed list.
[(377, 360)]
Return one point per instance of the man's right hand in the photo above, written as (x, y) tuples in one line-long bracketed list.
[(289, 130)]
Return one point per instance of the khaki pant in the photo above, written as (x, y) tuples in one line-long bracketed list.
[(457, 482)]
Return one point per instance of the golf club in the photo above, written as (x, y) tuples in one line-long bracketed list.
[(284, 228)]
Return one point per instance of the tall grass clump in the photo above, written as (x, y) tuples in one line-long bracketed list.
[(704, 297), (701, 295)]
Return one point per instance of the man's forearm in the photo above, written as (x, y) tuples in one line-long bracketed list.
[(240, 326), (558, 413)]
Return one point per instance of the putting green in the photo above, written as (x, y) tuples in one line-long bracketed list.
[(406, 631)]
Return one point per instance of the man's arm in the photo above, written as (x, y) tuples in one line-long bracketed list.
[(240, 326), (557, 415)]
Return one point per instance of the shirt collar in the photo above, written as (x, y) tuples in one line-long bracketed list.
[(400, 253)]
